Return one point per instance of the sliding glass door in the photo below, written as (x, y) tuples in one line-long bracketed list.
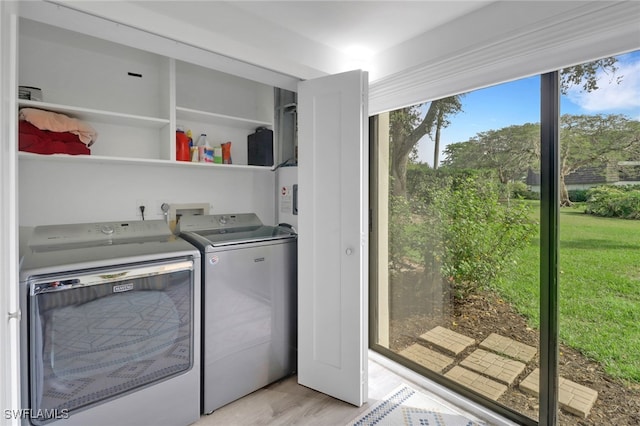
[(456, 223), (466, 200)]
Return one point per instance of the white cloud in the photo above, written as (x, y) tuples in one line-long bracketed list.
[(612, 97)]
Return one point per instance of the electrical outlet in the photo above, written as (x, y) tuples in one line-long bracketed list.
[(147, 208)]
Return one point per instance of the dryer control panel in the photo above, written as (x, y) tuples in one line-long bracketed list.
[(87, 233)]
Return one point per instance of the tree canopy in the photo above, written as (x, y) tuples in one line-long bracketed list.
[(510, 151), (592, 140), (407, 128), (585, 140)]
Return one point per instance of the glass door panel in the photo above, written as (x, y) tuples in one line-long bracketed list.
[(457, 261), (599, 255)]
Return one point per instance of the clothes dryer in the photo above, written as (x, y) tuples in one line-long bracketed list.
[(110, 331)]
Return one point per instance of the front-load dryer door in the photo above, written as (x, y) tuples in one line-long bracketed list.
[(95, 335)]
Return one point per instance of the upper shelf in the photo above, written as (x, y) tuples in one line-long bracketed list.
[(219, 119), (139, 161), (87, 114)]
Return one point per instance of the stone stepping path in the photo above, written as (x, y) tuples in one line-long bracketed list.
[(447, 340), (494, 365), (474, 381), (433, 360), (573, 397), (502, 369), (509, 347)]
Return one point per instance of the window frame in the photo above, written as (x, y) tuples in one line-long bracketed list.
[(549, 249)]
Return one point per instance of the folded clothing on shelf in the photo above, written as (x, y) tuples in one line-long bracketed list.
[(55, 122), (32, 139)]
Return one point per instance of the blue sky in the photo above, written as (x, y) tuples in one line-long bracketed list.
[(518, 102)]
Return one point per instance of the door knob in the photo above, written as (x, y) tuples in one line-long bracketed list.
[(348, 251)]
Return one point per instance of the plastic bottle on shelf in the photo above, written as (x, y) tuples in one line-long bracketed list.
[(226, 153), (182, 145), (217, 155), (190, 136), (208, 153), (201, 146)]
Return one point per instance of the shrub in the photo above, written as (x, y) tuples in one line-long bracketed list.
[(401, 239), (469, 234), (578, 195), (517, 190), (614, 201)]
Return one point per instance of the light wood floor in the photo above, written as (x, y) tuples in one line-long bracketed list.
[(288, 403)]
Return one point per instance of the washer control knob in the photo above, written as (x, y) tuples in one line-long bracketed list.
[(222, 220), (106, 229)]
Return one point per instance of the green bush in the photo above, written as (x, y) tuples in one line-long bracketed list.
[(578, 195), (469, 234), (614, 201), (401, 239), (517, 190)]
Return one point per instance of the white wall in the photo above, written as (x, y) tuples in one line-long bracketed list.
[(60, 192)]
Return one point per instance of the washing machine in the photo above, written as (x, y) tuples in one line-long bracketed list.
[(110, 329), (249, 296)]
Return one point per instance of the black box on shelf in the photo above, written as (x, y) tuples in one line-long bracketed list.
[(260, 146)]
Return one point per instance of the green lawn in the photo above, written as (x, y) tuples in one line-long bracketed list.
[(599, 288)]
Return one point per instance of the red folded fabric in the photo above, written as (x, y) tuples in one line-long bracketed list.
[(32, 139)]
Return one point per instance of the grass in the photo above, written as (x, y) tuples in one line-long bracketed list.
[(599, 288)]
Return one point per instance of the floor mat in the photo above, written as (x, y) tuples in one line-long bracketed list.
[(408, 407)]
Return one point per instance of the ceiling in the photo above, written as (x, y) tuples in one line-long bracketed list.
[(374, 25), (318, 37), (418, 48)]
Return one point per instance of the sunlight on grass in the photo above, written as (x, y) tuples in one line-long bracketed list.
[(599, 288)]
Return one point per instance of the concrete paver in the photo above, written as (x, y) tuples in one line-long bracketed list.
[(497, 357), (504, 370), (432, 360), (573, 397), (487, 387), (509, 347), (448, 340)]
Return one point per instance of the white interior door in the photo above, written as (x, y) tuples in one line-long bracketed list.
[(333, 235)]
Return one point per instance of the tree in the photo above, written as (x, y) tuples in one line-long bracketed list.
[(510, 151), (588, 140), (402, 123), (463, 155), (445, 109), (412, 129), (406, 129), (587, 74)]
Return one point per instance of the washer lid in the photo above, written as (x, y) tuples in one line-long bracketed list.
[(227, 229), (243, 235)]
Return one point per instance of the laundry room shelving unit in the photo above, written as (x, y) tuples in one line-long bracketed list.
[(224, 107), (136, 99)]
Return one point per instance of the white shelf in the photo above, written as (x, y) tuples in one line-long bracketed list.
[(28, 156), (89, 115), (219, 119)]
